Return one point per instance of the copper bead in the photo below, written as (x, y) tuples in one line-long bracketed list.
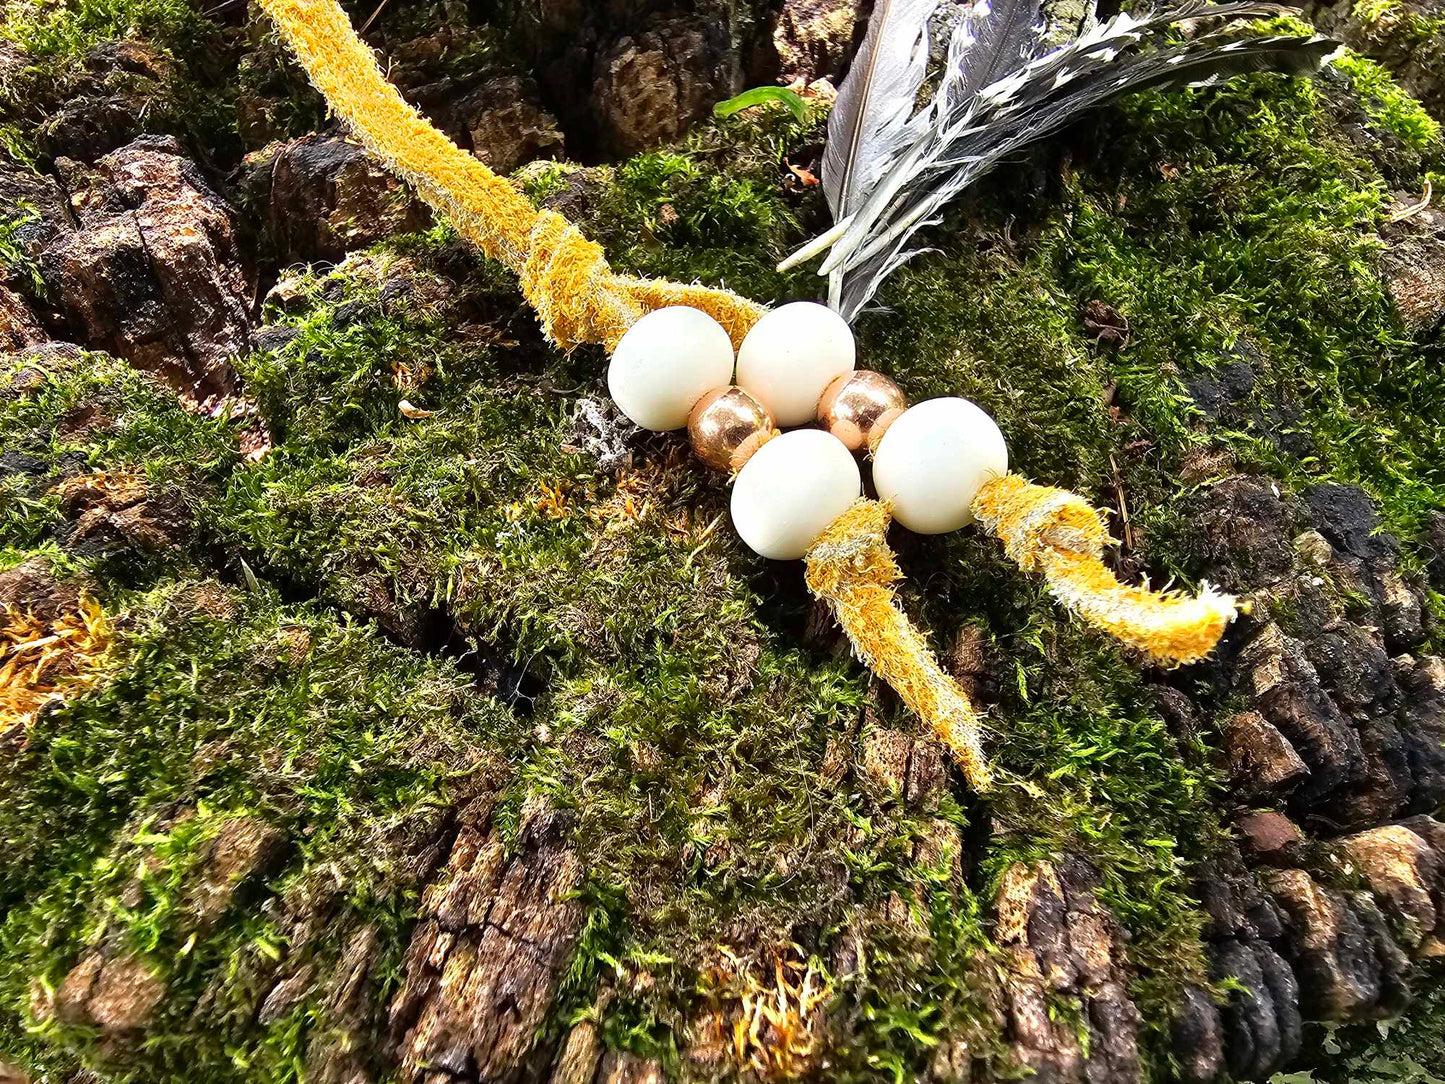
[(728, 425), (858, 407)]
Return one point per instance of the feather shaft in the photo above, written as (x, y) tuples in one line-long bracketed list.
[(815, 246)]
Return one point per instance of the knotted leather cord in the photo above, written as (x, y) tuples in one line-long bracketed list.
[(579, 299)]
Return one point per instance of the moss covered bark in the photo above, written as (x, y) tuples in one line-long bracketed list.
[(372, 687)]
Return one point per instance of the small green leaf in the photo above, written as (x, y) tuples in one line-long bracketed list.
[(757, 96), (252, 584)]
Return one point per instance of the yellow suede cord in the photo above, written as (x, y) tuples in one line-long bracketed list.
[(1059, 534), (565, 276), (851, 566)]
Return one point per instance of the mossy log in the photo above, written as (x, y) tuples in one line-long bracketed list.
[(380, 706)]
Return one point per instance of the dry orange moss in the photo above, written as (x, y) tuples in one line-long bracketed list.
[(118, 489), (1059, 534), (767, 1022), (564, 275), (775, 1034), (41, 660), (852, 568)]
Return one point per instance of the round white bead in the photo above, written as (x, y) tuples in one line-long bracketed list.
[(791, 356), (933, 460), (665, 363), (790, 489)]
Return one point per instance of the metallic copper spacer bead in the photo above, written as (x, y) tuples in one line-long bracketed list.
[(727, 426), (858, 408)]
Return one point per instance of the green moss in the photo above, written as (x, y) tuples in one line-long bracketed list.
[(194, 102), (919, 991), (223, 706), (1393, 22), (274, 99), (17, 144), (629, 661), (348, 366), (65, 32), (713, 209), (1370, 11), (16, 261), (541, 180), (144, 430), (149, 426), (1388, 104)]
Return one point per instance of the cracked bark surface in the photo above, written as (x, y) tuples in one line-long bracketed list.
[(324, 196), (1061, 945), (152, 274), (656, 84), (495, 932), (18, 326)]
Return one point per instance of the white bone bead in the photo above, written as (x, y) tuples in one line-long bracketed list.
[(933, 460), (790, 489), (665, 363), (791, 356)]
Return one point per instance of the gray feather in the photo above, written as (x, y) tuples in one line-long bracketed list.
[(870, 117), (970, 127), (982, 149), (995, 38)]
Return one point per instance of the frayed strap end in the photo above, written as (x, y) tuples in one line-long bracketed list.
[(851, 567)]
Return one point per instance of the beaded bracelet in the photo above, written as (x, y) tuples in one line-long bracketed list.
[(936, 465), (675, 368)]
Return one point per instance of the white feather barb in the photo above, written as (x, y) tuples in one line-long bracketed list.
[(870, 117)]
